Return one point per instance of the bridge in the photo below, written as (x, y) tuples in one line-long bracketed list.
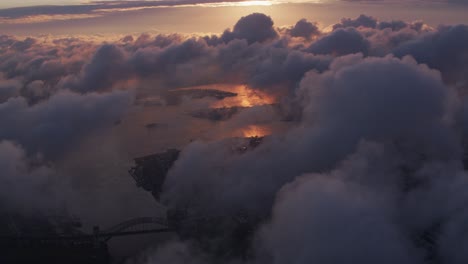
[(143, 225), (74, 247)]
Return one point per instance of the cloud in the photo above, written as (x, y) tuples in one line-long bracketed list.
[(256, 27), (26, 188), (341, 42), (56, 125), (8, 89), (332, 126), (305, 29), (172, 252), (318, 215), (105, 69), (373, 123), (361, 21), (357, 100), (368, 184), (445, 50)]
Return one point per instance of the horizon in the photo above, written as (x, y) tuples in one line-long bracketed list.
[(105, 18)]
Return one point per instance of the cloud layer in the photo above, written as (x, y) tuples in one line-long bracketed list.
[(370, 160)]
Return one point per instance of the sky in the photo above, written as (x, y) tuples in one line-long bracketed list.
[(191, 16), (9, 4), (56, 2), (305, 132)]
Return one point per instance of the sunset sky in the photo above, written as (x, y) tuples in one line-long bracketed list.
[(193, 16)]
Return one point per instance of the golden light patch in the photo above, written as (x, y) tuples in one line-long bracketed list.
[(255, 131), (246, 97)]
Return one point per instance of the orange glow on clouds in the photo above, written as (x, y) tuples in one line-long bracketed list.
[(255, 131), (246, 97), (45, 18)]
